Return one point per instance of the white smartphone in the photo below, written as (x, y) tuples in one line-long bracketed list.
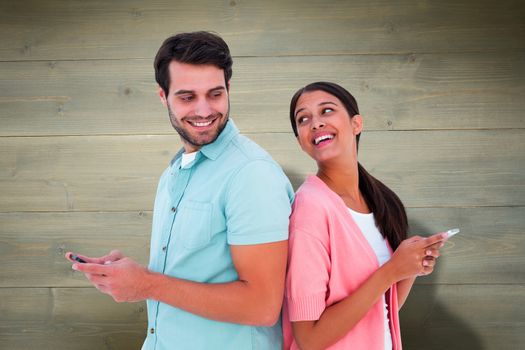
[(452, 232)]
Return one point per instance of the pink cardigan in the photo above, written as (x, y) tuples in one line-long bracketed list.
[(328, 259)]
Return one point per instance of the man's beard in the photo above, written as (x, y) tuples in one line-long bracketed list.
[(185, 135)]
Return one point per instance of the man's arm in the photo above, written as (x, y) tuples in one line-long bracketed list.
[(254, 299)]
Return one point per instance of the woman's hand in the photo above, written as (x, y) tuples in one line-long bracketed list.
[(416, 256)]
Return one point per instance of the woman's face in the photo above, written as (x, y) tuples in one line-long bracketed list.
[(325, 130)]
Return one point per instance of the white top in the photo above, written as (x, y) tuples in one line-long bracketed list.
[(378, 243), (187, 158)]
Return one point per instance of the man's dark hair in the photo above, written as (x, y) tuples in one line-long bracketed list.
[(192, 48)]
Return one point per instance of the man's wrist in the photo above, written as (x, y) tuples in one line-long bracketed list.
[(148, 284)]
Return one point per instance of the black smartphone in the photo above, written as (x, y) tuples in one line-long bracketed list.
[(76, 258)]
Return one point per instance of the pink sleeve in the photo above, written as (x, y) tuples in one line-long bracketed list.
[(308, 263)]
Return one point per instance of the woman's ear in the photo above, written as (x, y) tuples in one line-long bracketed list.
[(357, 124)]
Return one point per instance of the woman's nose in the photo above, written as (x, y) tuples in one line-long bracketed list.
[(317, 123)]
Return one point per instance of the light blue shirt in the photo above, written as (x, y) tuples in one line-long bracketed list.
[(232, 193)]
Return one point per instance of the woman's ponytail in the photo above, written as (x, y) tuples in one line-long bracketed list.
[(389, 211)]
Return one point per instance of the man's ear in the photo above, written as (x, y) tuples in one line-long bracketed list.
[(357, 124), (162, 96)]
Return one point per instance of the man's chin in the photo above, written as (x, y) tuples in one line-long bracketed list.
[(203, 140), (206, 141)]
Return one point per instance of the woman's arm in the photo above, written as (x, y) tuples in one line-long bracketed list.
[(338, 319), (403, 289)]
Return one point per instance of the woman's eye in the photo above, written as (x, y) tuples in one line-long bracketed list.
[(301, 120), (327, 110)]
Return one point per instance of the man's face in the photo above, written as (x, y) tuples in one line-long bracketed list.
[(198, 103)]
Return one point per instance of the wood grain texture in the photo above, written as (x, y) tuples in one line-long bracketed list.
[(489, 249), (78, 337), (84, 139), (434, 317), (32, 246), (79, 318), (464, 317), (427, 169), (395, 92), (57, 29)]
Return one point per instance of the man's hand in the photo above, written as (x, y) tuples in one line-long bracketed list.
[(255, 298), (123, 279)]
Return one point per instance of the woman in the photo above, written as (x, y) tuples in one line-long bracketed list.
[(350, 265)]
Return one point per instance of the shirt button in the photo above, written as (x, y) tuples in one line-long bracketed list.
[(173, 209), (152, 330), (164, 248)]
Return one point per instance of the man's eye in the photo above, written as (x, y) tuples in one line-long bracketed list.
[(186, 98)]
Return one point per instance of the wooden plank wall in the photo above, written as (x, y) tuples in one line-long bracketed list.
[(83, 139)]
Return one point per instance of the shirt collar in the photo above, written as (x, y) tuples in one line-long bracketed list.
[(214, 149)]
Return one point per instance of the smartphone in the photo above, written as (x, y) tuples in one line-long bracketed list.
[(76, 258), (452, 232)]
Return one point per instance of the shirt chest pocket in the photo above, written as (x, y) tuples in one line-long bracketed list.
[(192, 225)]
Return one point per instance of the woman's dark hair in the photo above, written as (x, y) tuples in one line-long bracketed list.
[(389, 212), (192, 48)]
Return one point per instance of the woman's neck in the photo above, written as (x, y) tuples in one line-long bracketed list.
[(343, 179)]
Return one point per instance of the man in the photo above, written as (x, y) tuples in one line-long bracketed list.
[(220, 224)]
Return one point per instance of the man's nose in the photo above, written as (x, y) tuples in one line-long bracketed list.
[(203, 108)]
